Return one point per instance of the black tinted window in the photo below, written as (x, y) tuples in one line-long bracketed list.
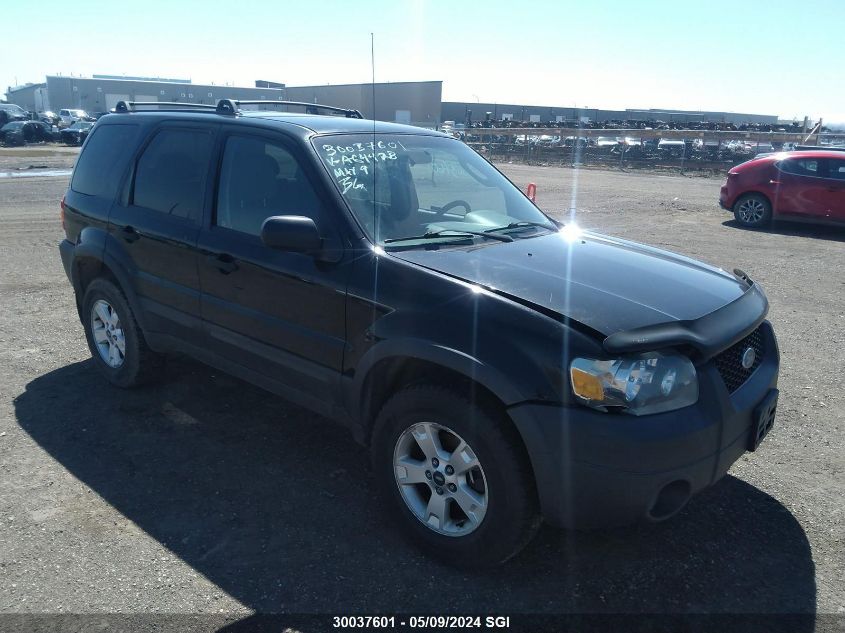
[(259, 179), (836, 169), (801, 166), (170, 176), (103, 160)]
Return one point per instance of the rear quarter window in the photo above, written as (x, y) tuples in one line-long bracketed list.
[(836, 169), (104, 159)]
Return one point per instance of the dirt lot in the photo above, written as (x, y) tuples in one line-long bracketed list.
[(31, 158), (206, 495)]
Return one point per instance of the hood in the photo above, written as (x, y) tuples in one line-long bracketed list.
[(605, 283)]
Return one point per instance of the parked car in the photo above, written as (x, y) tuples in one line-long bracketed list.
[(76, 133), (70, 116), (707, 149), (499, 365), (759, 149), (671, 148), (49, 117), (548, 140), (630, 147), (573, 141), (799, 185), (738, 148), (12, 112), (607, 143), (524, 139), (22, 132)]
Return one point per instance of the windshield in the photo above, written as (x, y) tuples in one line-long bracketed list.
[(402, 186)]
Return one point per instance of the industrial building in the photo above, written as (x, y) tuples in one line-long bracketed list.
[(464, 111), (101, 93), (415, 102)]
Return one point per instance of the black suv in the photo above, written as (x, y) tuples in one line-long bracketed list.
[(500, 365)]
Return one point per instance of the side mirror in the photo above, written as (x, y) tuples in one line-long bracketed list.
[(294, 233)]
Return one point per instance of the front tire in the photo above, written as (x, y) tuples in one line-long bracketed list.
[(455, 474), (114, 338), (753, 210)]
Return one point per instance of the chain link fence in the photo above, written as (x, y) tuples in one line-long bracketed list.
[(631, 152)]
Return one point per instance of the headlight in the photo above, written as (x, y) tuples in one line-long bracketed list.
[(638, 385)]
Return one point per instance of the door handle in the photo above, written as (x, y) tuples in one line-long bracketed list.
[(129, 234), (836, 188), (223, 262)]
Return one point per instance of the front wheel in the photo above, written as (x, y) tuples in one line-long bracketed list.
[(455, 474), (753, 210)]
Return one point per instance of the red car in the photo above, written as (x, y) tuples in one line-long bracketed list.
[(803, 186)]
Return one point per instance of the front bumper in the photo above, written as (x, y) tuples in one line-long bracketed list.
[(596, 469), (725, 198)]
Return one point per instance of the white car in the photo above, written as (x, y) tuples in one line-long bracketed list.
[(670, 147), (607, 142), (762, 148), (69, 116)]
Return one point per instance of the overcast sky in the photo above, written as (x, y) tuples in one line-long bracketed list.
[(738, 55)]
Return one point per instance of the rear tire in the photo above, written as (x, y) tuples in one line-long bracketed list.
[(481, 468), (753, 210), (114, 338)]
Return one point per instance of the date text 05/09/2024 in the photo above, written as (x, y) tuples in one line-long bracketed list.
[(421, 622)]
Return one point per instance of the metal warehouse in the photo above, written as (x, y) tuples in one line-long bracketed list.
[(101, 93), (415, 102)]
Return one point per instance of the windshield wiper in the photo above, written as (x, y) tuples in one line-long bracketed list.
[(448, 233), (516, 225)]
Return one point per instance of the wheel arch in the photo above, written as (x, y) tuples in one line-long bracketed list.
[(384, 372), (94, 263)]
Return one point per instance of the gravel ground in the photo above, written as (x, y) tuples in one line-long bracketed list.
[(34, 157), (207, 495)]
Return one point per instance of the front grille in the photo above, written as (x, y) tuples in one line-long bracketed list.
[(729, 362)]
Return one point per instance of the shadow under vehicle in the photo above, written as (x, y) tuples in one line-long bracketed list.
[(277, 508)]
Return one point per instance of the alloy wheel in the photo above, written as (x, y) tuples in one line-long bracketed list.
[(108, 334), (440, 479), (751, 211)]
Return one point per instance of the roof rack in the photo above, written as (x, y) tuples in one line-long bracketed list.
[(129, 106), (232, 106)]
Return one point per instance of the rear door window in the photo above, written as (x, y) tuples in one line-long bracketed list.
[(801, 166), (171, 174), (106, 155)]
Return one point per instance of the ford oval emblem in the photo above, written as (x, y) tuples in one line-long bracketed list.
[(748, 358)]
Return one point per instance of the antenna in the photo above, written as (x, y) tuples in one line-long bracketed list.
[(373, 67), (376, 228)]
